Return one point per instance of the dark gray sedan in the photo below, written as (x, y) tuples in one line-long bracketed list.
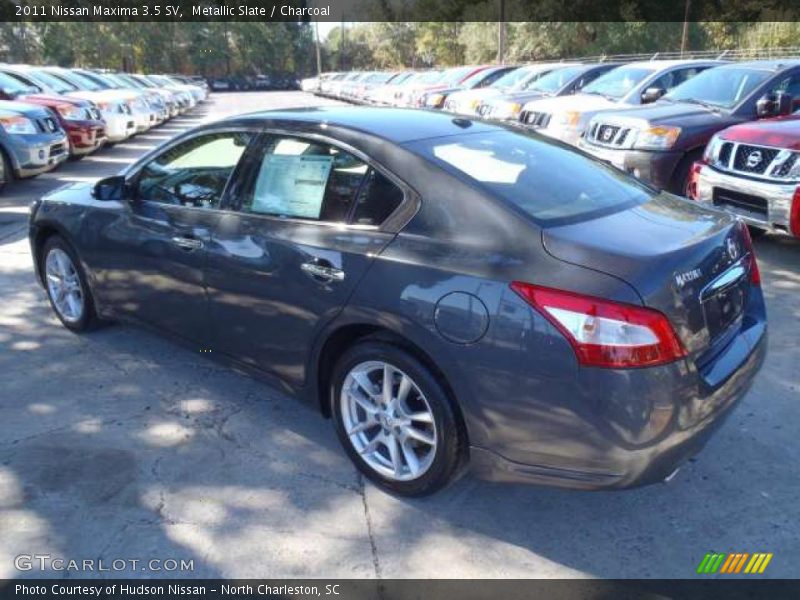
[(449, 291)]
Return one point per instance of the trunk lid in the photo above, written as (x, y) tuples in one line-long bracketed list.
[(686, 261)]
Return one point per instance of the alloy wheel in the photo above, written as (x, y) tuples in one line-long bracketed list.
[(64, 285), (388, 420)]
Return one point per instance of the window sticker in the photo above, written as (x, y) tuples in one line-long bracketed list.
[(292, 186)]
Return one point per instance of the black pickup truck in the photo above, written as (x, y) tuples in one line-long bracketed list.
[(659, 142)]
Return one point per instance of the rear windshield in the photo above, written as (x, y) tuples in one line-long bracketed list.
[(550, 183)]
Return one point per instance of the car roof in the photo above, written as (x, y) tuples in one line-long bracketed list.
[(397, 125), (665, 64), (767, 65)]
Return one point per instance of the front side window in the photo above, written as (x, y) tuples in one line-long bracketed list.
[(618, 82), (482, 78), (555, 80), (789, 85), (79, 80), (195, 172), (61, 86), (549, 183), (673, 79), (13, 86)]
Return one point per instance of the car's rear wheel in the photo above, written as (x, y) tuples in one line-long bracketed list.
[(66, 286), (394, 419)]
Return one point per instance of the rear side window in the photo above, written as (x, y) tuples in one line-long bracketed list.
[(305, 179), (550, 183), (299, 178), (378, 199)]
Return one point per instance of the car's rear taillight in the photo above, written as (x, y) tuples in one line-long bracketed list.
[(794, 216), (605, 333), (755, 273), (694, 177)]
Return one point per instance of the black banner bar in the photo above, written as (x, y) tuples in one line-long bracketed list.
[(399, 589), (399, 10)]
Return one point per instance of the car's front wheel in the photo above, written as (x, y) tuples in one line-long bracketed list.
[(66, 286), (394, 419), (6, 173)]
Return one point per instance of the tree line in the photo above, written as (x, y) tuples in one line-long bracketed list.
[(251, 48), (393, 45)]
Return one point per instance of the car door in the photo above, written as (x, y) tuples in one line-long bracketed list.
[(305, 223), (156, 251)]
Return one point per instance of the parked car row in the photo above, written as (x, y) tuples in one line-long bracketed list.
[(258, 83), (664, 121), (49, 114)]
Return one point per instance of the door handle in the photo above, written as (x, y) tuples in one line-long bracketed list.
[(322, 271), (187, 243)]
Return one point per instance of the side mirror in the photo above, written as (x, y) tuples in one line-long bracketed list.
[(110, 188), (774, 105), (652, 94)]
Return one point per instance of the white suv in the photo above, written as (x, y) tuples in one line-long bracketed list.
[(565, 118)]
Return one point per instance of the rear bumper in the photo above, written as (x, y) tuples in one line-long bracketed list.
[(657, 168), (777, 198), (627, 463)]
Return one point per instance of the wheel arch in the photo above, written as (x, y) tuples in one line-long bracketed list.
[(43, 232), (690, 156), (344, 336), (11, 161)]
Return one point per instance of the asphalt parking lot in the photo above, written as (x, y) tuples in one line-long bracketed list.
[(121, 445)]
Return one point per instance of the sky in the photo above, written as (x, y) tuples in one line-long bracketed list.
[(325, 27)]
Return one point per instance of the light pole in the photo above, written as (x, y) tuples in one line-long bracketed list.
[(341, 46), (501, 34), (685, 36), (319, 54)]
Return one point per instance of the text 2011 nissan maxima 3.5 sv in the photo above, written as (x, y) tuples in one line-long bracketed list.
[(449, 291)]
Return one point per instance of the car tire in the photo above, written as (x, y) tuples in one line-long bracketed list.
[(6, 172), (427, 449), (679, 185), (61, 268)]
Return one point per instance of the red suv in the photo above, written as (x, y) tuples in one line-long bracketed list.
[(753, 170)]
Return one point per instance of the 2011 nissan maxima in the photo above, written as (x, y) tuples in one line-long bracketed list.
[(449, 291)]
